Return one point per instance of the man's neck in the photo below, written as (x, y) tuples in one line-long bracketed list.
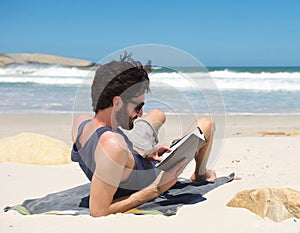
[(103, 118)]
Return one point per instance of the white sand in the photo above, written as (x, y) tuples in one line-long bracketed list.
[(269, 161)]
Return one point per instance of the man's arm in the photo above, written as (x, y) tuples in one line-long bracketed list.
[(111, 161), (101, 198), (111, 158)]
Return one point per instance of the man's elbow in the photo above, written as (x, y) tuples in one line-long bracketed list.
[(98, 213)]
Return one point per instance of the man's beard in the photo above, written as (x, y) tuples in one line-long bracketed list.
[(124, 120)]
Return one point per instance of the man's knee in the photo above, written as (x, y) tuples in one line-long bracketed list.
[(158, 115), (206, 124)]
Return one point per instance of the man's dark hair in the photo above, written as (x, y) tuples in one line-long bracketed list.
[(126, 78)]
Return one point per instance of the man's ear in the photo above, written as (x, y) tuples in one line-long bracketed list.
[(117, 103)]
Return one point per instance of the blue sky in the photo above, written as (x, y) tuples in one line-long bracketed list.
[(217, 33)]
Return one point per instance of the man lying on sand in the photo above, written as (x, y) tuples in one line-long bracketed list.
[(121, 177)]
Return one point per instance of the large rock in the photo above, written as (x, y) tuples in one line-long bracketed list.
[(6, 60), (275, 204), (23, 58), (34, 149)]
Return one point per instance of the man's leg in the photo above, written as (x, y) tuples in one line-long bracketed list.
[(201, 172), (156, 117), (144, 133)]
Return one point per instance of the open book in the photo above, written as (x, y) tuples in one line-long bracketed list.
[(185, 148)]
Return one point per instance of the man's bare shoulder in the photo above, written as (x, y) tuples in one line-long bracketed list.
[(113, 145), (79, 119), (76, 122)]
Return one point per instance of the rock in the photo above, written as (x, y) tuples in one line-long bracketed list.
[(275, 204), (5, 60), (23, 58), (280, 133), (34, 149)]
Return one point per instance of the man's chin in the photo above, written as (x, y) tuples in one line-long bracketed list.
[(128, 126)]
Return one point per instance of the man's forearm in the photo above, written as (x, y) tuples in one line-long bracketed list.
[(135, 199)]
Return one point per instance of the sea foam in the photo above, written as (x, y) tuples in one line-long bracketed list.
[(217, 79)]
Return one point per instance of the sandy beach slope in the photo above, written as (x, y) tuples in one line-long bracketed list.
[(259, 161)]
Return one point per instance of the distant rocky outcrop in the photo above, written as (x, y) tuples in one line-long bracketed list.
[(275, 204), (6, 60), (23, 58), (34, 149)]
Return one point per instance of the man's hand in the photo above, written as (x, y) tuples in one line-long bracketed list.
[(156, 152)]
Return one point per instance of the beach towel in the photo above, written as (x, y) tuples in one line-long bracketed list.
[(75, 201)]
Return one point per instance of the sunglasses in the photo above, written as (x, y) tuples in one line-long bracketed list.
[(138, 106)]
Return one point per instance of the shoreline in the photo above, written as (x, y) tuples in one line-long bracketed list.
[(59, 125)]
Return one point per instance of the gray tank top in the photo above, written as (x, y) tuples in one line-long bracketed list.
[(143, 174)]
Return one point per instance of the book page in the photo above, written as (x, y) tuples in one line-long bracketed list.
[(185, 148)]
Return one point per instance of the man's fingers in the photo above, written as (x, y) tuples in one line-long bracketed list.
[(163, 148)]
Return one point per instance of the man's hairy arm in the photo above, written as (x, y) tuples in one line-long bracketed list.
[(112, 157)]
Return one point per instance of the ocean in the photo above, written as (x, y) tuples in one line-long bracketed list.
[(36, 88)]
